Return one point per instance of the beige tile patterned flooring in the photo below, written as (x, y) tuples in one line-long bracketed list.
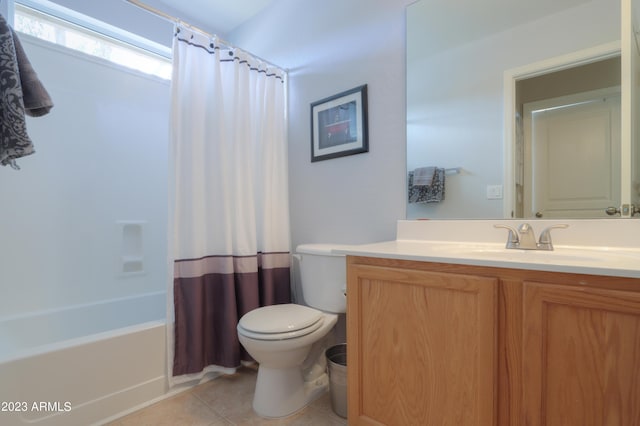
[(225, 401)]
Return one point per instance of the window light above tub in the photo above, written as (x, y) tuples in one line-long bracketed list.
[(81, 33)]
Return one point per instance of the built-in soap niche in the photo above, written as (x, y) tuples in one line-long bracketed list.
[(131, 256)]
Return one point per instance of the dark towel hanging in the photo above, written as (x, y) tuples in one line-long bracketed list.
[(433, 193), (21, 93), (37, 101)]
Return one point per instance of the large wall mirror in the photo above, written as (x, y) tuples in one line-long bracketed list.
[(521, 108)]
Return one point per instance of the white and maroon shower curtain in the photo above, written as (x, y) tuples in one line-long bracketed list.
[(230, 239)]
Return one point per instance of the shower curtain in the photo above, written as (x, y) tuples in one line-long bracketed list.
[(230, 240)]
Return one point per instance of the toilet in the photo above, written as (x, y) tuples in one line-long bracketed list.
[(280, 337)]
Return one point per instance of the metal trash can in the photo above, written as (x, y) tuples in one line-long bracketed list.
[(337, 369)]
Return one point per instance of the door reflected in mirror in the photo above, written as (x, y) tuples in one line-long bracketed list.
[(568, 142)]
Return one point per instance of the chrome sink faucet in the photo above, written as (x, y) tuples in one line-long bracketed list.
[(524, 237)]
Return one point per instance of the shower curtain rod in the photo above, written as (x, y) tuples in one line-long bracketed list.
[(171, 18)]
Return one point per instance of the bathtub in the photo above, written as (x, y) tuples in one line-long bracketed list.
[(84, 364)]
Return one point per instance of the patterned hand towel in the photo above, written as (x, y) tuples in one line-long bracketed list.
[(433, 193), (14, 140), (37, 101), (423, 176)]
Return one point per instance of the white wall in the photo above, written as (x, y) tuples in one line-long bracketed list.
[(86, 176), (101, 157), (328, 47), (455, 111)]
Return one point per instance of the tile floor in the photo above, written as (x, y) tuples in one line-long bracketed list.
[(225, 401)]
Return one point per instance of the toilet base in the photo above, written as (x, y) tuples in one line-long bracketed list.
[(290, 395)]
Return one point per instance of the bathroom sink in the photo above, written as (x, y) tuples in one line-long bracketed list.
[(530, 255), (600, 247), (561, 255)]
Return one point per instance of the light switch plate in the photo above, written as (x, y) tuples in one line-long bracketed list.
[(494, 192)]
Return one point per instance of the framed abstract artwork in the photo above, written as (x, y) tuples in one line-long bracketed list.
[(339, 125)]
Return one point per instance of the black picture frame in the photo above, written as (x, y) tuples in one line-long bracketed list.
[(339, 125)]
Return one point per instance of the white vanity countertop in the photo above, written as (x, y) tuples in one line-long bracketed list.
[(459, 243)]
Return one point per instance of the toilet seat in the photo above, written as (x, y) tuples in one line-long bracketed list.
[(279, 322)]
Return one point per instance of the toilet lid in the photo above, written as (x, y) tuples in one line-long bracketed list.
[(280, 336), (284, 318), (279, 322)]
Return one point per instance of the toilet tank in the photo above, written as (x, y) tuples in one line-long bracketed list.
[(323, 277)]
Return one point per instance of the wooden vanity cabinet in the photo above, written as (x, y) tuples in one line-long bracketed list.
[(581, 355), (421, 346), (443, 344)]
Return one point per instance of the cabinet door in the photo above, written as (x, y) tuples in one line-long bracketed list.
[(581, 357), (421, 347)]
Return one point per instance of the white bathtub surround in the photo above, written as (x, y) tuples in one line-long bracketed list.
[(593, 246), (230, 232), (84, 363), (31, 334)]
